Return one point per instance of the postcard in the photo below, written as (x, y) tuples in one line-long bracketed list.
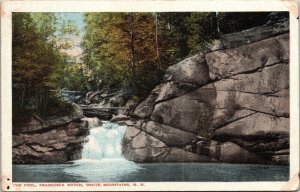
[(150, 95)]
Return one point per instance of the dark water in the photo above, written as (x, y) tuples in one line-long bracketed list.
[(121, 170)]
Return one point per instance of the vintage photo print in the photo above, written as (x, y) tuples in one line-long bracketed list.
[(149, 95)]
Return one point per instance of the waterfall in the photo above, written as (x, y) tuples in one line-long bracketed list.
[(104, 142)]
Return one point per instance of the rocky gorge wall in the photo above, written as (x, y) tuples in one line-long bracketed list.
[(230, 104), (55, 140)]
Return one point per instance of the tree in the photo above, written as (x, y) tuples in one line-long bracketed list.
[(202, 29), (156, 39), (36, 68), (121, 46), (173, 34), (45, 24)]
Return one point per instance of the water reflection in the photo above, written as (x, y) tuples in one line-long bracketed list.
[(45, 173), (104, 169), (121, 170)]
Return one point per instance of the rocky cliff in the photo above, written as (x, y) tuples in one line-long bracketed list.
[(55, 140), (230, 104)]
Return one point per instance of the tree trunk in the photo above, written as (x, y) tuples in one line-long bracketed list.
[(23, 95), (156, 40), (217, 19), (132, 51)]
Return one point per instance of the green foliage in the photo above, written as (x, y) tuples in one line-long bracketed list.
[(69, 28), (55, 106), (34, 60), (77, 77), (119, 48), (173, 37), (132, 50), (202, 30), (46, 104), (45, 24), (37, 66)]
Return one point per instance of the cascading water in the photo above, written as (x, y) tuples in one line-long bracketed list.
[(104, 142), (102, 155), (103, 162)]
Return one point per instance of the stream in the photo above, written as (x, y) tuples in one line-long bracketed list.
[(102, 161)]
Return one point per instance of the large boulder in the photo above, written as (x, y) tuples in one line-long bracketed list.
[(141, 147), (227, 105), (92, 121)]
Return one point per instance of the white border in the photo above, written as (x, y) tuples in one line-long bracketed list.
[(147, 5), (151, 6)]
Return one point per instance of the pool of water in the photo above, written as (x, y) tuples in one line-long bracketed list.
[(121, 170), (102, 161)]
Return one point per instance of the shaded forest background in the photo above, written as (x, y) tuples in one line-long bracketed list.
[(126, 52)]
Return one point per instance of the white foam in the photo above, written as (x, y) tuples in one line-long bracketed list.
[(104, 142)]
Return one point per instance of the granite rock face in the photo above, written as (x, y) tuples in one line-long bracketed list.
[(227, 105), (56, 140)]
